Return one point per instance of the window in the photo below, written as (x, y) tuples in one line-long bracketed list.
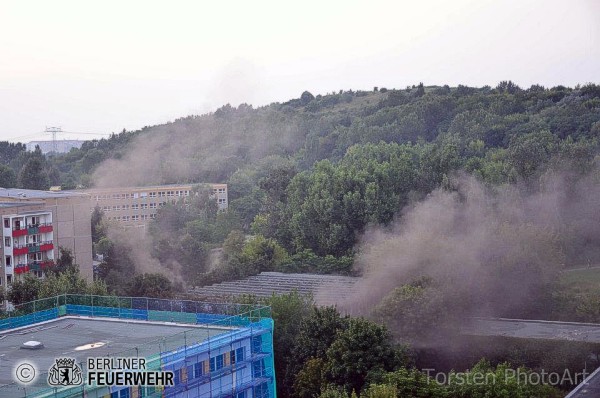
[(115, 208), (220, 361), (125, 218), (153, 216), (35, 256), (161, 194), (153, 205), (169, 193), (135, 217), (241, 394), (6, 223), (232, 357), (212, 364), (197, 370), (125, 207), (221, 190), (152, 194), (222, 201), (143, 194), (7, 242), (239, 354), (144, 206), (106, 208), (144, 216), (187, 193), (136, 195), (8, 279), (135, 206), (8, 261)]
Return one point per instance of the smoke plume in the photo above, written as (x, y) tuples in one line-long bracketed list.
[(488, 252)]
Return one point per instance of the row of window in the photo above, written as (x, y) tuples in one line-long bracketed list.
[(210, 365), (135, 217), (137, 195), (136, 206)]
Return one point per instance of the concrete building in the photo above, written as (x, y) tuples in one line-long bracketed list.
[(39, 223), (136, 206), (212, 350)]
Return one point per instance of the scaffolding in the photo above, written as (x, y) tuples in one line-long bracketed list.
[(189, 354)]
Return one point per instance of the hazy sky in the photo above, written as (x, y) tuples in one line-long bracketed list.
[(101, 66)]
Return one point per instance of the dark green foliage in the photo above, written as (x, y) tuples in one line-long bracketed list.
[(150, 285), (33, 175), (8, 179), (361, 348), (24, 290)]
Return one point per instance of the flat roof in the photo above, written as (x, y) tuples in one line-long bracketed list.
[(32, 193), (66, 336), (533, 329), (166, 186)]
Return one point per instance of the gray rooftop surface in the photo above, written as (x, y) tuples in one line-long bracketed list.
[(61, 336), (32, 193), (532, 329)]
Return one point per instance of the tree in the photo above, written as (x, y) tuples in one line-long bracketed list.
[(7, 177), (24, 290), (150, 285), (361, 348), (65, 262), (317, 332), (288, 312), (33, 175)]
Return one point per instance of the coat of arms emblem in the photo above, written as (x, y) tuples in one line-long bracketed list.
[(65, 372)]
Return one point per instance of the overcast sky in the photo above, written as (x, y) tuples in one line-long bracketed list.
[(101, 66)]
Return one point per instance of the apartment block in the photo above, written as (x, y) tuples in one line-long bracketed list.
[(37, 223), (136, 206)]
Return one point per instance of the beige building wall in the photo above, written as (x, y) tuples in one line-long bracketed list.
[(72, 221), (136, 206)]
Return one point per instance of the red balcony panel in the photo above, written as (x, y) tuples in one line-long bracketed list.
[(46, 264), (20, 250), (46, 247), (45, 228), (21, 269), (19, 232)]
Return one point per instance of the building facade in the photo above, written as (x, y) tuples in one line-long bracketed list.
[(136, 206), (41, 222), (213, 350)]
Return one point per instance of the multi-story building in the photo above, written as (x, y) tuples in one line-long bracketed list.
[(37, 223), (27, 239), (135, 206), (211, 350)]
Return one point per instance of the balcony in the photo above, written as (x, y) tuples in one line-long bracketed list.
[(33, 266), (19, 232), (33, 248), (32, 229), (19, 250)]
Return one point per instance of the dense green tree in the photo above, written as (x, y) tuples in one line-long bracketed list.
[(33, 175), (361, 348), (8, 178), (150, 285), (24, 289)]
